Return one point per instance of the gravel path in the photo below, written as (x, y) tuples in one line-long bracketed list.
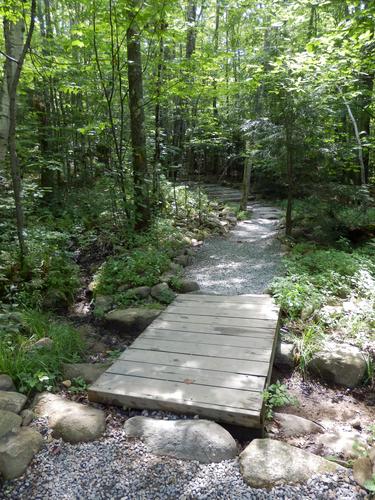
[(243, 262), (117, 468)]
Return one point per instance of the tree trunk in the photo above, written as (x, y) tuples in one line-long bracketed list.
[(13, 77), (246, 180), (13, 34), (289, 173), (137, 124)]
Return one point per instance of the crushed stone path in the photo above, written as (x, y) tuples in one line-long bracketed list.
[(117, 468), (244, 261)]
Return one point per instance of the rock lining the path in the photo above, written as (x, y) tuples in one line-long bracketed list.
[(341, 364), (9, 422), (17, 450), (71, 421), (12, 401), (89, 372), (266, 463), (293, 425), (200, 440), (132, 320), (6, 383)]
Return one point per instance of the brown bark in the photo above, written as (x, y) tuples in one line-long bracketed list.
[(137, 125), (13, 78)]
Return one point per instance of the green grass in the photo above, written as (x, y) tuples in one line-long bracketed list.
[(30, 368)]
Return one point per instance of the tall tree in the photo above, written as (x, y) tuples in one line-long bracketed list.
[(142, 212)]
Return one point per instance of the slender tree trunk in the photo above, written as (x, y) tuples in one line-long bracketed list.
[(246, 180), (13, 77), (137, 124), (13, 34), (289, 173), (216, 48)]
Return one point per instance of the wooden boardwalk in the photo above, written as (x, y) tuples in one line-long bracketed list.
[(208, 355)]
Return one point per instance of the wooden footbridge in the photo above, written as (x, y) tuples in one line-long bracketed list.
[(205, 355)]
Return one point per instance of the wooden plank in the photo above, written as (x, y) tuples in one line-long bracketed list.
[(258, 368), (236, 416), (210, 320), (242, 299), (207, 338), (217, 329), (163, 390), (193, 375), (209, 350), (239, 311)]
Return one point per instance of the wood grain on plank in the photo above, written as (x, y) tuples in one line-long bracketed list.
[(242, 353), (208, 338), (180, 392), (258, 368), (188, 375)]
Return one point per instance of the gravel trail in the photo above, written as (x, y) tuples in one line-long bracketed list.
[(243, 262), (117, 468)]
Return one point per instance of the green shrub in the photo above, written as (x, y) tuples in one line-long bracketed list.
[(275, 396), (36, 368), (137, 268), (50, 278)]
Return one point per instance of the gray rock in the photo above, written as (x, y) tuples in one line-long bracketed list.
[(9, 422), (12, 401), (162, 293), (103, 304), (43, 343), (343, 443), (232, 220), (27, 417), (341, 364), (175, 268), (362, 470), (265, 463), (73, 422), (17, 450), (187, 286), (140, 292), (132, 320), (284, 356), (200, 440), (89, 372), (293, 425), (183, 260), (6, 383)]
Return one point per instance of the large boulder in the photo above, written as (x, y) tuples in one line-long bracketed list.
[(89, 372), (12, 401), (73, 422), (341, 364), (6, 383), (103, 304), (343, 443), (9, 422), (200, 440), (293, 425), (363, 471), (187, 286), (17, 450), (265, 463), (132, 320), (162, 293), (140, 292)]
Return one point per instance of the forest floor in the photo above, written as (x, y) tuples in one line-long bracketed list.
[(118, 468)]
